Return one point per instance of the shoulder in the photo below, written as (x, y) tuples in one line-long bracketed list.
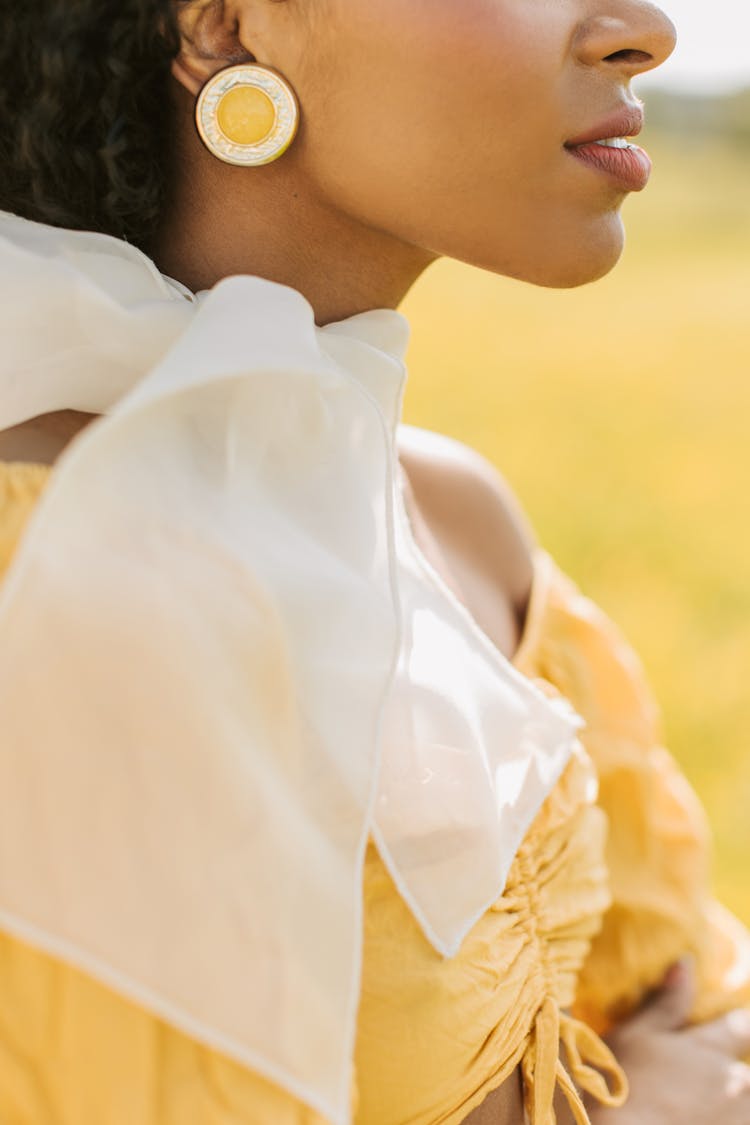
[(42, 439), (470, 504)]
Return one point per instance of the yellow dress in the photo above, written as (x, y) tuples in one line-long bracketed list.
[(607, 889)]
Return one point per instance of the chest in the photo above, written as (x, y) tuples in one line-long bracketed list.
[(463, 568)]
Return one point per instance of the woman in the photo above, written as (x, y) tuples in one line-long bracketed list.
[(266, 652)]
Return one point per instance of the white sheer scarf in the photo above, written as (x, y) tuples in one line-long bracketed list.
[(218, 667)]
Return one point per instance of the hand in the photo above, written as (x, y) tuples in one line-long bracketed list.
[(680, 1073)]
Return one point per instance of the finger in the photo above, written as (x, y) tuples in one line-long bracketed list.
[(669, 1007), (729, 1034), (738, 1080)]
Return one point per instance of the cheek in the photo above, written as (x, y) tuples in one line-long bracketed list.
[(435, 95), (442, 123)]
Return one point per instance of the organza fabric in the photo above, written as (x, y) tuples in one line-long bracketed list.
[(206, 627), (608, 888)]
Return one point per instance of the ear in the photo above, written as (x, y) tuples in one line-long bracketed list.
[(210, 41)]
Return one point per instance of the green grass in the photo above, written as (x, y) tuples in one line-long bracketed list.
[(619, 412)]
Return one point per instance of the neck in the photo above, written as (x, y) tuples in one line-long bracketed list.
[(268, 222)]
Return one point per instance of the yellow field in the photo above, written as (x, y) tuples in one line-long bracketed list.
[(620, 413)]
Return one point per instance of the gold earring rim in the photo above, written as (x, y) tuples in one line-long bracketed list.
[(287, 114)]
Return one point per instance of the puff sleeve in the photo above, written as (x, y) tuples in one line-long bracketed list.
[(659, 840)]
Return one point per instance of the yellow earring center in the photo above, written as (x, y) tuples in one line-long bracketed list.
[(246, 115)]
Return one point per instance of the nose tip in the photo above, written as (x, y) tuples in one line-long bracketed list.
[(671, 37), (632, 35), (661, 33)]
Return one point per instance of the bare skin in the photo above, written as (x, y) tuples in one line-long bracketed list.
[(429, 128), (680, 1073), (44, 438)]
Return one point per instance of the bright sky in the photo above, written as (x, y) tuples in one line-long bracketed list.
[(713, 51)]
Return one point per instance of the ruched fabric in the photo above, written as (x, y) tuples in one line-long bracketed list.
[(659, 844), (435, 1036), (608, 887)]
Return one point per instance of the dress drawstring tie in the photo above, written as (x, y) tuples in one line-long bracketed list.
[(542, 1067)]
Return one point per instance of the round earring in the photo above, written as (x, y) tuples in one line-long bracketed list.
[(247, 114)]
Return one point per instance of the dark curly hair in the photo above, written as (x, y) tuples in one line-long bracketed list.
[(85, 112)]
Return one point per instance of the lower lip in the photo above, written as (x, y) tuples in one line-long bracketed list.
[(629, 167)]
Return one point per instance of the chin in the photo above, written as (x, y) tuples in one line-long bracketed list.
[(588, 255), (593, 256), (577, 273)]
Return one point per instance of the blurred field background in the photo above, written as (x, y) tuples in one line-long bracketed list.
[(619, 413)]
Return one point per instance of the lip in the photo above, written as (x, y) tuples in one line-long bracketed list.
[(627, 122), (629, 168)]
